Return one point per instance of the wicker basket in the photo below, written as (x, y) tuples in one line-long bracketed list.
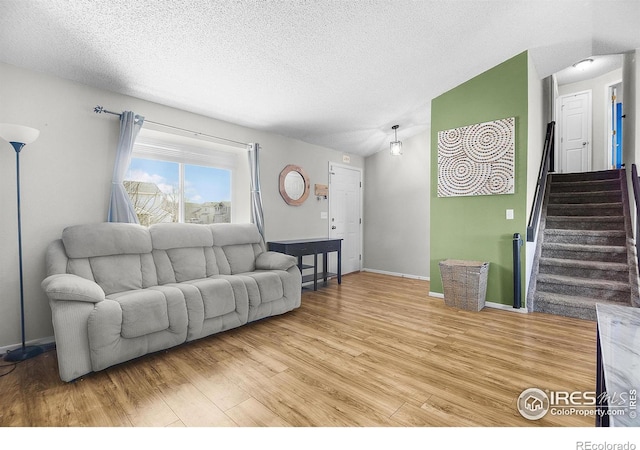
[(464, 283)]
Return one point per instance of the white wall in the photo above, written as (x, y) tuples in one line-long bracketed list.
[(631, 107), (600, 105), (631, 122), (66, 178), (538, 116), (537, 127), (396, 209)]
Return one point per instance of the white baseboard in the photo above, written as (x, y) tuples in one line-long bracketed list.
[(506, 307), (42, 341), (488, 304), (397, 274)]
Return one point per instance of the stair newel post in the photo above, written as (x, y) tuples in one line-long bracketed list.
[(517, 290)]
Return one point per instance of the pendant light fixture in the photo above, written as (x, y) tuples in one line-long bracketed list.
[(396, 146)]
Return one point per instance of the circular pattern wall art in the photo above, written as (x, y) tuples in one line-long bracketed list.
[(477, 160)]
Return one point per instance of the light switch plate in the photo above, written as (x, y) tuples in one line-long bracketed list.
[(509, 214), (323, 215)]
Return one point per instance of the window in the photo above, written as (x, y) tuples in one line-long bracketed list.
[(165, 191), (174, 179)]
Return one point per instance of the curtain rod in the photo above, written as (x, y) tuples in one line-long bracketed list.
[(99, 109)]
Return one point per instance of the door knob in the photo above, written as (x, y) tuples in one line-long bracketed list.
[(333, 227)]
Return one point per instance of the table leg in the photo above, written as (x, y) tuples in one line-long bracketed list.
[(324, 266), (315, 271), (340, 264)]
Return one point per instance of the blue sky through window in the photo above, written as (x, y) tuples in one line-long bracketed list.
[(202, 184), (206, 184)]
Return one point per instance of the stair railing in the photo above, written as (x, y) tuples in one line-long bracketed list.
[(635, 181), (541, 185)]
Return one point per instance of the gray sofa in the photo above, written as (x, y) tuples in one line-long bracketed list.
[(119, 291)]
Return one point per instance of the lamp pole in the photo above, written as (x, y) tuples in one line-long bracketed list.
[(24, 352), (18, 136)]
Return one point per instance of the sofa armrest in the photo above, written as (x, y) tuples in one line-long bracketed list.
[(72, 287), (275, 261)]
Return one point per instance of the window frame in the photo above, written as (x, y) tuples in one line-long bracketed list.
[(160, 146)]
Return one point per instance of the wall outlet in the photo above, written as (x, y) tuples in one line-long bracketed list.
[(509, 214)]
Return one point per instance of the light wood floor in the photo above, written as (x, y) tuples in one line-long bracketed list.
[(375, 351)]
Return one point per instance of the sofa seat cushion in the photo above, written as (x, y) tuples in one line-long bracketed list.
[(213, 304), (144, 312), (267, 286), (215, 295), (270, 292), (131, 324)]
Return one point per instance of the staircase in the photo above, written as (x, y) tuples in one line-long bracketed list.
[(585, 252)]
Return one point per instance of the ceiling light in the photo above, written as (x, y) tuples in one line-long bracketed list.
[(582, 65), (396, 146)]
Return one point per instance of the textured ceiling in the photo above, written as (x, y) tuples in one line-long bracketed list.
[(337, 73)]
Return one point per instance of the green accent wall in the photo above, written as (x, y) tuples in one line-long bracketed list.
[(475, 227)]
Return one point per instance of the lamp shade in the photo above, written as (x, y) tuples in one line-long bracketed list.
[(396, 148), (18, 133)]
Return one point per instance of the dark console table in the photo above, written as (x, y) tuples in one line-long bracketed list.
[(302, 247)]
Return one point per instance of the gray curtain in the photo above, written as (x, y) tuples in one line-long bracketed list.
[(257, 215), (121, 209)]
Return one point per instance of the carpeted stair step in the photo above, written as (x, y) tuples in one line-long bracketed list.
[(585, 269), (615, 291), (569, 305), (584, 245), (585, 209), (584, 186), (587, 176), (604, 253), (585, 222), (585, 197), (586, 237)]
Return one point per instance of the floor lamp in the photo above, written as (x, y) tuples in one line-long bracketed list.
[(18, 136)]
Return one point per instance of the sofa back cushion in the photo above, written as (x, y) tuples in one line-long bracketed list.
[(117, 256), (182, 252), (236, 247)]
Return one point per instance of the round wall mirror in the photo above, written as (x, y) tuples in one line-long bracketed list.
[(294, 185)]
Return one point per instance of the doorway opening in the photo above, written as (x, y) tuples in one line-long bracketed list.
[(345, 214), (574, 132), (614, 126), (602, 78)]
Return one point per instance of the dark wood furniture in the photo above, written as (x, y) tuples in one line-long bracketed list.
[(303, 247)]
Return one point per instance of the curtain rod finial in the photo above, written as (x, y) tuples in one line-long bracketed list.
[(98, 109)]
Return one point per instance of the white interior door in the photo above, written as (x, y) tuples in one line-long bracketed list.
[(575, 132), (345, 199)]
